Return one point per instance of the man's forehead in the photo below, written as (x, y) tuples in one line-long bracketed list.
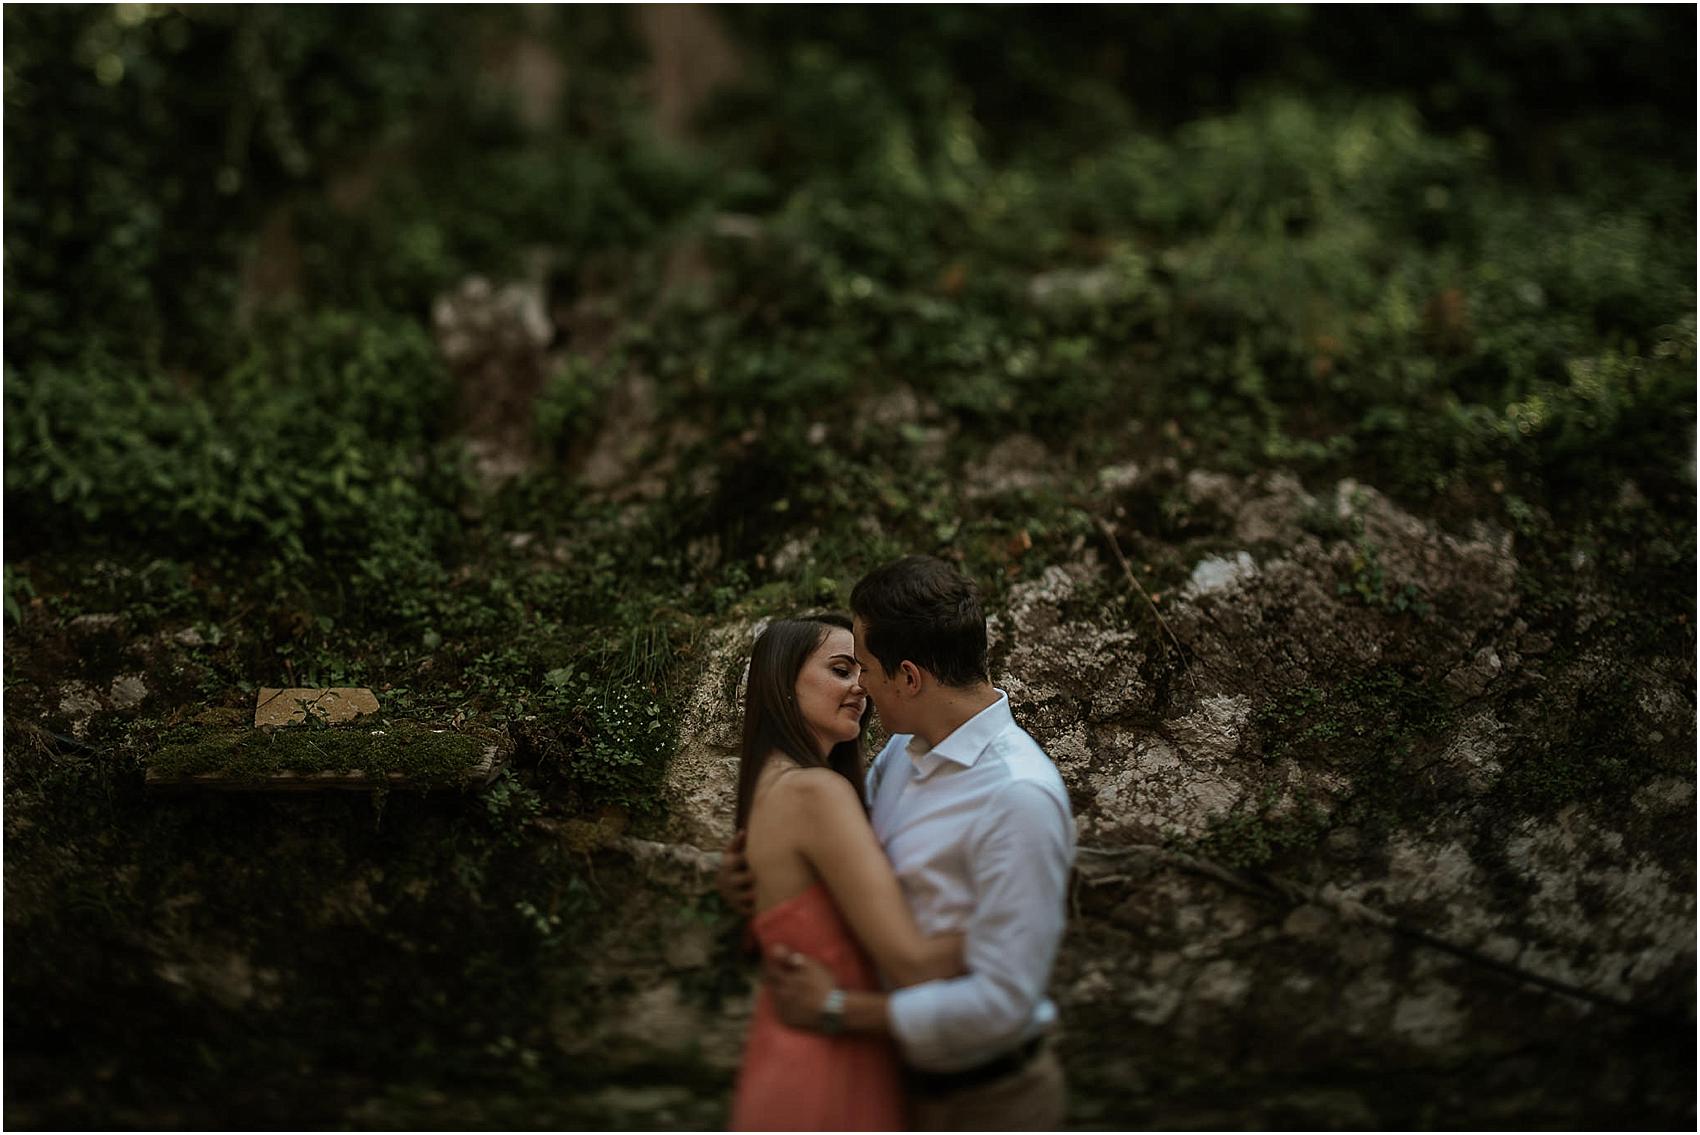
[(858, 644)]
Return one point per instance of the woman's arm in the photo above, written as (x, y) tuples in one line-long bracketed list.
[(832, 833), (941, 957)]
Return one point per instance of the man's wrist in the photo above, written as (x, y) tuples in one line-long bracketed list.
[(865, 1012)]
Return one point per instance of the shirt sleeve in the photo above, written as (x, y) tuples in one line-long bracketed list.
[(1020, 856)]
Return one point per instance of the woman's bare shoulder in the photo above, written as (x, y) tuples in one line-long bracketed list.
[(815, 788)]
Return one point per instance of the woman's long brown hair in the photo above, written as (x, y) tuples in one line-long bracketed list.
[(772, 721)]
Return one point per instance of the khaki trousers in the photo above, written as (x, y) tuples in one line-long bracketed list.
[(1030, 1100)]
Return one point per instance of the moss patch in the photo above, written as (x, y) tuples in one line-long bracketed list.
[(1371, 727), (401, 750)]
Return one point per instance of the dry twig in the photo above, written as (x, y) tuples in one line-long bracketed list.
[(1127, 570)]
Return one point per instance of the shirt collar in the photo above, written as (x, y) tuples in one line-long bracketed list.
[(966, 742)]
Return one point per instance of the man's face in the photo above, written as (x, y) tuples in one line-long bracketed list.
[(881, 689)]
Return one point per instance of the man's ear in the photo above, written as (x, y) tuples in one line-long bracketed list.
[(911, 674)]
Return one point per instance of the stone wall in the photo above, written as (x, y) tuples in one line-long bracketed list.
[(1313, 886)]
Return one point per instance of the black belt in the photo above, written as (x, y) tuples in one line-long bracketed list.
[(944, 1083)]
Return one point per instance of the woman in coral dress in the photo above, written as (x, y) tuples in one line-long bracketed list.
[(823, 886)]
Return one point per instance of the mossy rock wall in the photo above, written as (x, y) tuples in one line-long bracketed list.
[(1327, 874)]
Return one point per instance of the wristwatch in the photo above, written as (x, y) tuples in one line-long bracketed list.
[(832, 1013)]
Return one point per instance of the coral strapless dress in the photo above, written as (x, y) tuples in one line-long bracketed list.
[(793, 1080)]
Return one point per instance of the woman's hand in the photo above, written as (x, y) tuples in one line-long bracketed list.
[(735, 882)]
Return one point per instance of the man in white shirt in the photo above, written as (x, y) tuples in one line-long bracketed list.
[(976, 822)]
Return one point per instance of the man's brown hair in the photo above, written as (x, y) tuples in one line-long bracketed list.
[(921, 609)]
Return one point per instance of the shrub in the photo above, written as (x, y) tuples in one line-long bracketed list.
[(308, 443)]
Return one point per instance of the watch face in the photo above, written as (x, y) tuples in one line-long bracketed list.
[(832, 1012)]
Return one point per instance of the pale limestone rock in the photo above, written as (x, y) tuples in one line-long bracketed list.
[(1017, 463), (128, 691), (1143, 790), (1474, 751), (645, 1108), (79, 703), (1298, 983), (1344, 843), (1582, 893), (1222, 982), (1218, 573), (1124, 475), (681, 862), (630, 419), (87, 625), (1032, 607), (1470, 679), (657, 1018), (468, 319), (1072, 754), (1093, 986), (1236, 916), (1420, 870), (792, 555), (228, 979), (1051, 670), (1212, 732), (1075, 286), (656, 1021), (1153, 1004), (897, 407), (1476, 576), (701, 782), (1203, 487), (1273, 517), (1212, 797), (1362, 1001), (1666, 794), (1309, 922), (690, 947), (1500, 947), (1362, 946), (1432, 1018)]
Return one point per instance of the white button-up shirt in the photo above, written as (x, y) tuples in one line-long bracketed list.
[(979, 831)]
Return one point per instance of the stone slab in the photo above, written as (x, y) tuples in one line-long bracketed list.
[(334, 705)]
